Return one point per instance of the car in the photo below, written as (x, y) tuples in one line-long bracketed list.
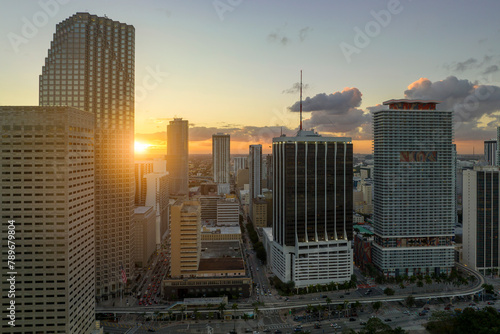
[(447, 308), (317, 326), (362, 323), (347, 293), (333, 325), (298, 329), (427, 308), (342, 296), (352, 319), (267, 330), (277, 331), (491, 303), (387, 320)]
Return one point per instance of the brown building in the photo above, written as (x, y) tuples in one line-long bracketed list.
[(259, 212), (144, 232), (242, 177)]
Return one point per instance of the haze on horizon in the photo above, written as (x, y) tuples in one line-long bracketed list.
[(233, 66)]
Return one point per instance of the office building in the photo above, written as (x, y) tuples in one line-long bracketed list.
[(185, 238), (481, 209), (47, 190), (259, 213), (254, 174), (157, 196), (490, 152), (242, 178), (90, 66), (177, 156), (221, 157), (228, 212), (312, 209), (144, 234), (239, 163), (414, 189), (141, 187)]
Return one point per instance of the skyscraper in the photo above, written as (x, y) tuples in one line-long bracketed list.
[(177, 155), (47, 190), (490, 152), (255, 174), (312, 209), (90, 66), (221, 157), (239, 163), (414, 189), (481, 224)]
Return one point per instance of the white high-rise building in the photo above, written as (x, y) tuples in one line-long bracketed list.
[(239, 163), (177, 156), (47, 191), (221, 157), (312, 209), (91, 66), (414, 189), (255, 174), (481, 223)]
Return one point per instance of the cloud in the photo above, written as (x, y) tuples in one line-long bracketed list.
[(303, 33), (471, 63), (295, 88), (336, 103), (491, 69), (462, 66), (278, 37)]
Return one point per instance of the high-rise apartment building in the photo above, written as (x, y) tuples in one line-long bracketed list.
[(185, 238), (239, 163), (254, 174), (90, 66), (490, 152), (414, 189), (481, 224), (47, 191), (177, 156), (221, 157), (312, 209)]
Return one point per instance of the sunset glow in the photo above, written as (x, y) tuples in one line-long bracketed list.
[(140, 147)]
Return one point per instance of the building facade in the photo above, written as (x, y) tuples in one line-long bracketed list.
[(144, 234), (414, 189), (221, 157), (490, 152), (312, 209), (177, 156), (481, 209), (254, 174), (141, 184), (239, 163), (228, 212), (47, 191), (157, 196), (90, 66)]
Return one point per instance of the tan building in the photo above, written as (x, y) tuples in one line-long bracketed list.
[(185, 238), (242, 177), (221, 233), (228, 212), (259, 212), (47, 191), (144, 232)]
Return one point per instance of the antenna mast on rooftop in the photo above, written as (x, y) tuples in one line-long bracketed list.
[(300, 100)]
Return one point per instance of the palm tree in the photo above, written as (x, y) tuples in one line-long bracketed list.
[(376, 306), (328, 302), (234, 307), (183, 309), (221, 308), (410, 301), (346, 303)]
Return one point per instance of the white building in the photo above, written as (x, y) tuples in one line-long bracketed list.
[(221, 157), (157, 196), (228, 212), (312, 209), (414, 189), (239, 163)]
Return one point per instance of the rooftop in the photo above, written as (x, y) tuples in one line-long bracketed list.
[(223, 264), (219, 249)]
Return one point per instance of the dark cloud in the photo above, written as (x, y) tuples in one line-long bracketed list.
[(491, 69), (303, 33), (278, 37), (462, 66), (336, 103), (471, 63), (295, 88)]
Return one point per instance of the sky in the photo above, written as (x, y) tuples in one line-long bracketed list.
[(233, 66)]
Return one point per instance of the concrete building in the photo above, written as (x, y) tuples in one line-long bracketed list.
[(209, 207), (239, 163), (141, 188), (47, 194), (414, 189), (144, 234), (490, 152), (481, 224), (268, 174), (185, 238), (177, 156), (312, 209), (221, 157), (242, 178), (228, 212), (90, 66), (254, 174), (220, 233), (259, 213), (268, 196), (157, 196)]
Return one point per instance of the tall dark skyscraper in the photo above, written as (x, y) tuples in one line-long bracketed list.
[(90, 66), (312, 209), (177, 155), (221, 151)]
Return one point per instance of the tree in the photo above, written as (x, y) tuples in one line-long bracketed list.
[(328, 302), (488, 288), (428, 280), (410, 301), (234, 307), (401, 285), (376, 306), (420, 284), (389, 291), (221, 308)]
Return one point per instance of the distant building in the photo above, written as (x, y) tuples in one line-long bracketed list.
[(242, 178), (312, 223), (239, 163), (481, 224), (208, 205), (362, 250), (185, 238), (220, 233), (221, 157), (177, 155), (157, 196), (268, 197), (490, 152), (414, 197), (255, 173), (228, 212), (209, 189), (47, 191), (144, 232), (259, 212), (141, 169), (268, 175)]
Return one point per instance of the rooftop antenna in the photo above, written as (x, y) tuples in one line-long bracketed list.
[(300, 100)]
